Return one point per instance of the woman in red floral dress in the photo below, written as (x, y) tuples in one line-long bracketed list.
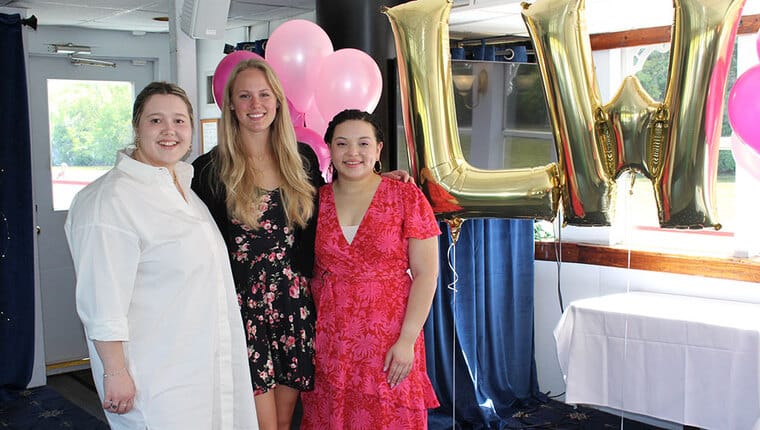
[(375, 275)]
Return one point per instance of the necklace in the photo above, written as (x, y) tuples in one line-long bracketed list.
[(260, 158)]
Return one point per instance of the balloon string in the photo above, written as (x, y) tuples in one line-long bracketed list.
[(628, 231), (451, 253), (558, 258), (452, 262)]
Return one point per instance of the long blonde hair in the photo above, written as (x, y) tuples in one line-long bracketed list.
[(243, 196)]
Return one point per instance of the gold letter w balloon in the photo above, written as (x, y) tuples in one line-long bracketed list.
[(674, 143)]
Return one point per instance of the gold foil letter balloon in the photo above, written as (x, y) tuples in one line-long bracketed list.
[(455, 188), (674, 142)]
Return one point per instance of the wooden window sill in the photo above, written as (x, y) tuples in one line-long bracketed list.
[(748, 24), (736, 269)]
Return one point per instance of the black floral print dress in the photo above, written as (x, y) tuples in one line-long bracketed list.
[(275, 301)]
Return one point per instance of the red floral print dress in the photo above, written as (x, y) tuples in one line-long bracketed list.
[(361, 291), (275, 301)]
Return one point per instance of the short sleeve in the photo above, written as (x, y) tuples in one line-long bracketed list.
[(419, 220)]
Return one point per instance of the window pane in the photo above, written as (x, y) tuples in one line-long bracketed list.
[(89, 122), (651, 64), (502, 115)]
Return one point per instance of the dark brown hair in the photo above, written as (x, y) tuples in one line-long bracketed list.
[(353, 115)]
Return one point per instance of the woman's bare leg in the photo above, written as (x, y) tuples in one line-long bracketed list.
[(266, 410), (285, 398)]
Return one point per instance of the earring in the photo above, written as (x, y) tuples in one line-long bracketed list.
[(137, 142), (378, 167)]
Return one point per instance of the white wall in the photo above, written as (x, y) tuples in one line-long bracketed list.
[(106, 44), (209, 54)]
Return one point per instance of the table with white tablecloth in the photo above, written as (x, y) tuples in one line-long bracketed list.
[(689, 360)]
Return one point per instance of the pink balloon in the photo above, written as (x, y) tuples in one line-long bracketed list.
[(745, 157), (315, 121), (349, 79), (223, 70), (744, 107), (295, 51), (296, 117), (311, 138)]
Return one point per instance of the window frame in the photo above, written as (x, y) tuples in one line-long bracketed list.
[(602, 245)]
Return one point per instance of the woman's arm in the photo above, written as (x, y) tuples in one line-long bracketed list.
[(118, 387), (106, 256), (423, 261)]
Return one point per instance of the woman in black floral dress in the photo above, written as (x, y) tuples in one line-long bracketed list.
[(259, 185), (277, 308)]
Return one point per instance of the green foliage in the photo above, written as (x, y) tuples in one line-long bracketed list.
[(726, 130), (90, 121), (654, 75), (541, 231), (530, 99), (654, 78), (726, 163)]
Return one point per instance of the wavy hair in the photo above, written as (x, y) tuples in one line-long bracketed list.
[(237, 173)]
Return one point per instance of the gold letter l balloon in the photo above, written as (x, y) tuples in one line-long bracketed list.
[(455, 188)]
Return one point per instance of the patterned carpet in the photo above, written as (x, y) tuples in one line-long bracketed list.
[(42, 409), (548, 415)]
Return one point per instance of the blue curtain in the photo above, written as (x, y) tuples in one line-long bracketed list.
[(479, 339), (16, 221)]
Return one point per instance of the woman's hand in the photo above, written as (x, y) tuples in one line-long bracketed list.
[(118, 386), (399, 175), (398, 362), (119, 391)]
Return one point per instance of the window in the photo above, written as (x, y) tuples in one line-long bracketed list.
[(636, 223), (89, 122)]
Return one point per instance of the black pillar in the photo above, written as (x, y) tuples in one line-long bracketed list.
[(360, 24)]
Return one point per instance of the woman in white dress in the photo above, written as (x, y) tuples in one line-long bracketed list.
[(154, 286)]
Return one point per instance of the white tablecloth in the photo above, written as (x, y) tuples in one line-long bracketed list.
[(690, 360)]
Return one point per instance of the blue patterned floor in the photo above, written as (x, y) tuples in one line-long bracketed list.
[(43, 409), (545, 415)]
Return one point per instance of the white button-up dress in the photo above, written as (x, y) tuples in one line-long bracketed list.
[(152, 272)]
